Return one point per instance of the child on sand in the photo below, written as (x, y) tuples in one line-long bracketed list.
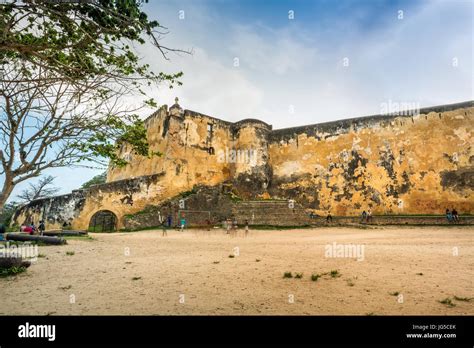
[(246, 227), (183, 223), (163, 226)]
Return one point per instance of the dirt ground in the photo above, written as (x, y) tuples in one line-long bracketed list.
[(403, 271)]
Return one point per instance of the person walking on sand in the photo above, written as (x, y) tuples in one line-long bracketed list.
[(183, 223), (228, 225), (246, 227)]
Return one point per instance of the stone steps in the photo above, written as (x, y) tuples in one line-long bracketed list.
[(277, 213)]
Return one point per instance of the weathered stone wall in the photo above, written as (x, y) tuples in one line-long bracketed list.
[(120, 197), (393, 164)]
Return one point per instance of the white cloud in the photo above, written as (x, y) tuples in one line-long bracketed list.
[(279, 51)]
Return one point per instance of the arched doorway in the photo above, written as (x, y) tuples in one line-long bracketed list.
[(103, 221)]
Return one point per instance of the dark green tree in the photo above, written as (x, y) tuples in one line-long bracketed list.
[(96, 180)]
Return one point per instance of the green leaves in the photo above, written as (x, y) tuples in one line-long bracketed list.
[(80, 40), (108, 135)]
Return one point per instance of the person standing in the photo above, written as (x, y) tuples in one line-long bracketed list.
[(169, 220), (2, 231), (228, 223), (369, 215), (363, 217), (455, 215), (41, 227), (246, 227), (449, 216), (164, 231), (183, 223), (234, 224), (329, 217)]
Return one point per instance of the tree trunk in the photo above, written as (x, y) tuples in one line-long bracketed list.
[(6, 192)]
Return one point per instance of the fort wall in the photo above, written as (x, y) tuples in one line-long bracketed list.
[(413, 164)]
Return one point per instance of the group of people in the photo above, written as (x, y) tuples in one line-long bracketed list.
[(366, 216), (168, 223), (232, 226), (32, 228), (452, 216)]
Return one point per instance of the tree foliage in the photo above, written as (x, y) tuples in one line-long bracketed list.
[(65, 68), (96, 180), (82, 40), (6, 213)]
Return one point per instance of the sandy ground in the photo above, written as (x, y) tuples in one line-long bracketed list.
[(192, 273)]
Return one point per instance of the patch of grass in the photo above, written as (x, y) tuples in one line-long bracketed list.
[(11, 271), (464, 299), (189, 193), (84, 237), (231, 256), (419, 274), (299, 275), (370, 314), (395, 293), (216, 262), (350, 282), (257, 260), (315, 277), (271, 227), (41, 255), (136, 278), (335, 273), (448, 302), (70, 253), (287, 275), (65, 287)]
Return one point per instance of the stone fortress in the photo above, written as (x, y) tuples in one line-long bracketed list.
[(210, 169)]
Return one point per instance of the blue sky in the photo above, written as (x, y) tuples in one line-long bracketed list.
[(333, 60)]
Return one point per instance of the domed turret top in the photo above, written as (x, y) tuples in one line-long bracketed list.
[(176, 109)]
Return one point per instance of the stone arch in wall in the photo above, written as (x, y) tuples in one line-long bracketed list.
[(103, 221)]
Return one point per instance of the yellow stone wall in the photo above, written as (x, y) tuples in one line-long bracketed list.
[(404, 165), (419, 164)]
